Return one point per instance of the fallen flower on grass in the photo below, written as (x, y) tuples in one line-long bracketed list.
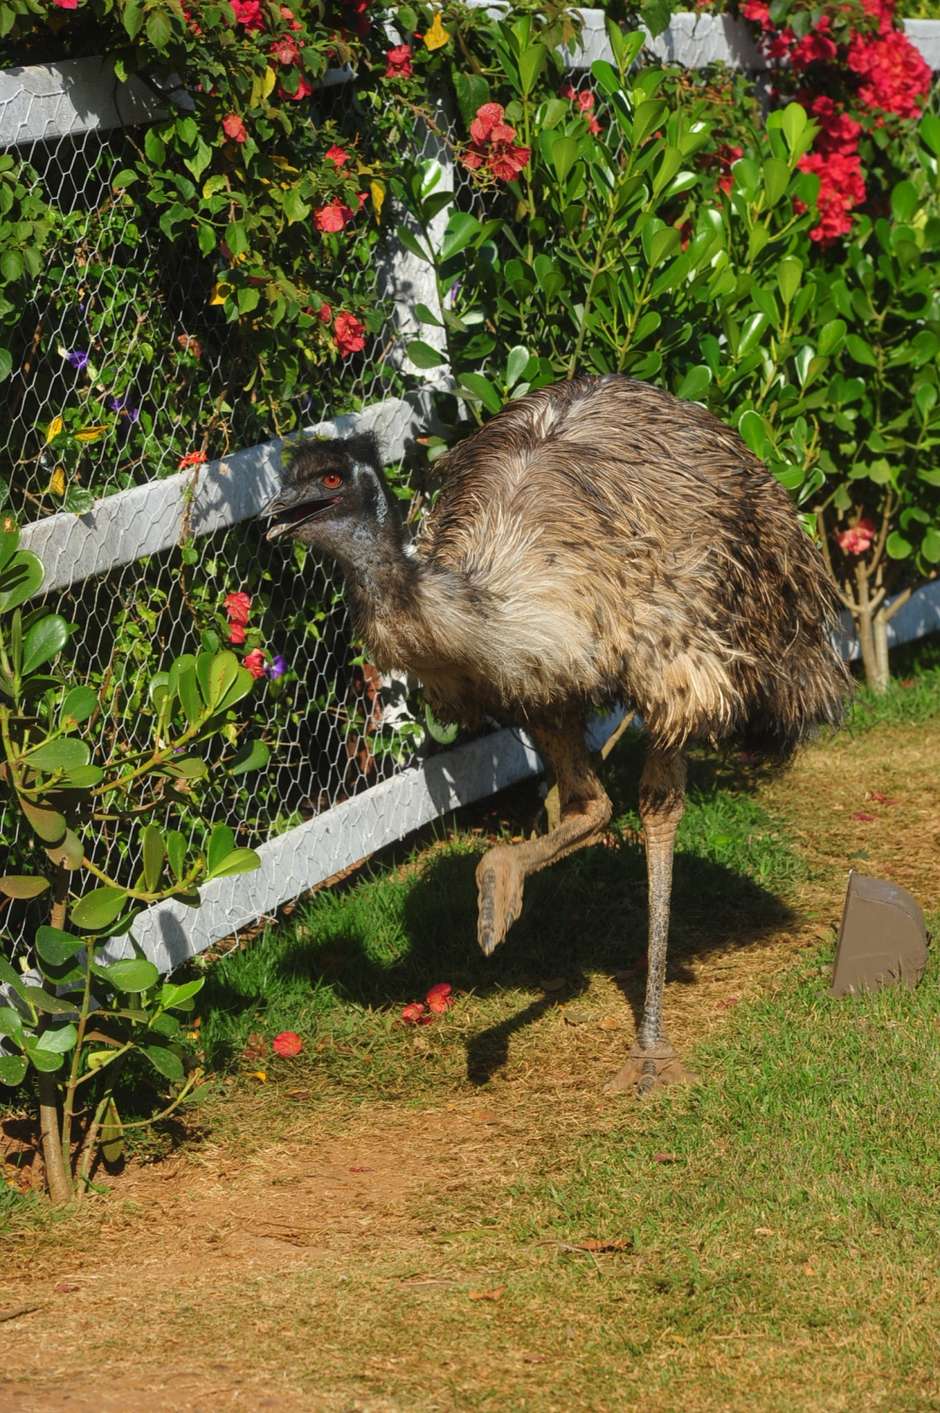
[(440, 997), (287, 1044), (415, 1013), (261, 1075)]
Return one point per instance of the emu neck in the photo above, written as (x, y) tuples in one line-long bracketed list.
[(409, 613)]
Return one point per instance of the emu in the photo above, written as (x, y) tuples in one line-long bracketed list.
[(596, 542)]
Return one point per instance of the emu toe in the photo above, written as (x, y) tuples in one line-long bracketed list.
[(648, 1069), (500, 881)]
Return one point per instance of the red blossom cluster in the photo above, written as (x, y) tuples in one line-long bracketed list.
[(349, 333), (493, 144), (237, 609), (584, 100), (234, 128), (398, 61), (858, 538), (285, 49), (439, 999), (192, 458), (889, 77)]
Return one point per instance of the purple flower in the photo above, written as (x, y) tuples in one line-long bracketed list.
[(78, 358), (276, 667), (125, 407)]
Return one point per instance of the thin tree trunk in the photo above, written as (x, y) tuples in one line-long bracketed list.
[(862, 613), (58, 1177), (880, 635)]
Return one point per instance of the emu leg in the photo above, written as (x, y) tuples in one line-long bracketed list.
[(584, 811), (662, 797)]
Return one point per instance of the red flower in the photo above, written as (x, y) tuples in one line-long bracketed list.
[(814, 48), (234, 128), (349, 334), (492, 144), (287, 1044), (287, 14), (758, 11), (285, 51), (727, 156), (439, 998), (324, 313), (332, 217), (66, 4), (415, 1013), (248, 13), (237, 607), (254, 661), (192, 458), (895, 76), (584, 99), (236, 634), (858, 538), (303, 90), (399, 61), (337, 155)]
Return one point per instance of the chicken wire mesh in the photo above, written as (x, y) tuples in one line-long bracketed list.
[(119, 343)]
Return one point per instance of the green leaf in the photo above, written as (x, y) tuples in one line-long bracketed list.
[(111, 1134), (78, 704), (240, 687), (178, 995), (190, 696), (48, 1061), (254, 755), (751, 332), (753, 432), (897, 546), (930, 546), (56, 946), (159, 29), (695, 382), (238, 861), (564, 154), (154, 147), (860, 351), (20, 578), (423, 355), (517, 361), (11, 1024), (176, 852), (58, 1041), (67, 753), (12, 1069), (45, 1001), (48, 824), (444, 732), (789, 275), (165, 1061), (904, 201), (531, 63), (98, 908), (70, 851), (830, 337), (130, 974), (483, 390), (462, 228), (17, 885), (153, 852), (11, 265), (221, 844), (776, 176)]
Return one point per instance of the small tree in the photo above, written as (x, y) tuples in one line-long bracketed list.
[(75, 1018)]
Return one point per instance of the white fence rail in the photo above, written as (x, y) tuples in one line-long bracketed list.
[(41, 104)]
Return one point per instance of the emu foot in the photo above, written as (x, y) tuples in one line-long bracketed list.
[(500, 881), (646, 1070)]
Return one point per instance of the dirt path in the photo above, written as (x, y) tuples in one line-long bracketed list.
[(240, 1278)]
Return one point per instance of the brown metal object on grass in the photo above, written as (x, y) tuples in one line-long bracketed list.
[(882, 940)]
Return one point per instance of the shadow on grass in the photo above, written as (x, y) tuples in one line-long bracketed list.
[(386, 940)]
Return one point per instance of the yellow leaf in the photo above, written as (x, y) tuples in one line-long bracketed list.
[(53, 429), (220, 292), (260, 1074), (91, 434), (378, 196), (57, 481), (268, 82), (284, 165), (436, 36)]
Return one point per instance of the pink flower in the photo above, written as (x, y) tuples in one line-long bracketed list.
[(337, 155), (439, 998), (192, 458), (66, 4), (237, 607), (332, 217), (399, 61), (254, 661), (325, 314), (234, 128), (285, 51), (415, 1013), (858, 538), (287, 1044), (236, 634), (248, 13), (349, 334), (492, 144)]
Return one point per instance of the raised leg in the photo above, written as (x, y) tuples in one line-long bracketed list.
[(662, 798), (584, 811)]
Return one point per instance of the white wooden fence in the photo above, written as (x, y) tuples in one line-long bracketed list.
[(40, 103)]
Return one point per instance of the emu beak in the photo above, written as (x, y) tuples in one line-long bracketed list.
[(289, 510)]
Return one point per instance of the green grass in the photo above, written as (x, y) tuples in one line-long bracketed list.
[(913, 694)]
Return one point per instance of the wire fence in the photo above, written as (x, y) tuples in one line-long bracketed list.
[(120, 336)]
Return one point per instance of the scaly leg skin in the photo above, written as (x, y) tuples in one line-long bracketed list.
[(585, 810), (652, 1060)]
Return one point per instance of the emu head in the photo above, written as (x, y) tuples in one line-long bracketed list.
[(333, 489)]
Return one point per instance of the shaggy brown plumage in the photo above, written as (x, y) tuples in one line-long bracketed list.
[(597, 541)]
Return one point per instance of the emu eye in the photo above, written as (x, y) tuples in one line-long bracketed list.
[(332, 480)]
